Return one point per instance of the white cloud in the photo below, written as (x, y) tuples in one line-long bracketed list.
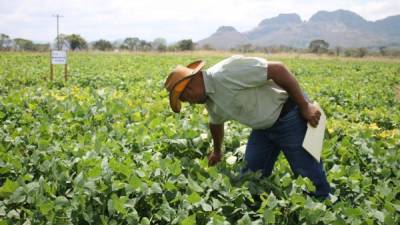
[(172, 19)]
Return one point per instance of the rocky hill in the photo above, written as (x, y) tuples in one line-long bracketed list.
[(339, 28)]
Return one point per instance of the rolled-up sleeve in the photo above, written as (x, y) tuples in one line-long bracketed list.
[(213, 117)]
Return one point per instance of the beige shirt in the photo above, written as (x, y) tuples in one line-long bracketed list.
[(238, 89)]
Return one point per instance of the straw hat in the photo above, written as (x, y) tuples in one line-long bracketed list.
[(177, 81)]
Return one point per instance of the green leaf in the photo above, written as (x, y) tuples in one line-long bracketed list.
[(18, 196), (191, 220), (231, 159), (61, 201), (169, 186), (396, 206), (135, 182), (8, 188), (271, 200), (245, 220), (206, 207), (389, 220), (46, 207), (175, 168), (155, 187), (120, 167), (218, 219), (117, 185), (117, 204), (104, 220), (353, 212), (94, 172), (194, 186), (269, 216), (194, 198), (378, 215), (145, 221)]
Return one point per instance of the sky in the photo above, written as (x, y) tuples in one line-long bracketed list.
[(173, 20)]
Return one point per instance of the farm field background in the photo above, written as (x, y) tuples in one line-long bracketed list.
[(105, 148)]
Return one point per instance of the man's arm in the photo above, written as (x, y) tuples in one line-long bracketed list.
[(282, 77), (217, 134)]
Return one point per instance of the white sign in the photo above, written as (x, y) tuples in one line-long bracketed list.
[(58, 57)]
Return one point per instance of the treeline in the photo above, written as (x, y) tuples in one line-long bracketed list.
[(20, 44), (322, 47), (75, 42), (319, 47)]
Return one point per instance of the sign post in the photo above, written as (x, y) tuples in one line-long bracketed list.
[(58, 58)]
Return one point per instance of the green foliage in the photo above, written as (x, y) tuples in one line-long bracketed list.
[(356, 52), (185, 45), (104, 148), (318, 46), (102, 45), (23, 44), (5, 42), (76, 42), (159, 44), (131, 43)]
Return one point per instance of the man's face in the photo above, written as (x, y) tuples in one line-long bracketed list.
[(194, 92)]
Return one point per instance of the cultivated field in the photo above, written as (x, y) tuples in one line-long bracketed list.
[(105, 148)]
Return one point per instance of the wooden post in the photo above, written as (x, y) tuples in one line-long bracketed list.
[(65, 72), (51, 71), (51, 68)]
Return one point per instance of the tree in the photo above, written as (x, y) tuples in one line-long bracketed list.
[(185, 45), (318, 46), (349, 52), (144, 45), (131, 43), (356, 52), (362, 52), (118, 45), (172, 48), (76, 42), (5, 42), (102, 45), (383, 50), (61, 42), (23, 44), (159, 44), (338, 50)]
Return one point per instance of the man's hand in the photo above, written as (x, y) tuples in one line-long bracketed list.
[(311, 113), (214, 157), (217, 133)]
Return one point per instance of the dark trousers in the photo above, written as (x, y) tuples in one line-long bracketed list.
[(285, 135)]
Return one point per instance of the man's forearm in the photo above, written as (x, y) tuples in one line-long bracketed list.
[(282, 77), (217, 134)]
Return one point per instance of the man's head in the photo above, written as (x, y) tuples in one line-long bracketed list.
[(186, 84)]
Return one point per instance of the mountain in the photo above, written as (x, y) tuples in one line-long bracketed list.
[(275, 24), (348, 18), (339, 28), (226, 37), (390, 27)]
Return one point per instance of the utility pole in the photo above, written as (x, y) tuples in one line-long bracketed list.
[(58, 35), (58, 57)]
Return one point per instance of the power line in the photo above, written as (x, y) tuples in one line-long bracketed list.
[(58, 35)]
